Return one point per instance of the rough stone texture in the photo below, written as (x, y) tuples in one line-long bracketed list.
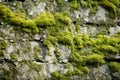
[(23, 44)]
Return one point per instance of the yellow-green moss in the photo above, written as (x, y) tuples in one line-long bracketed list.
[(65, 38), (95, 59), (45, 19), (114, 67), (62, 19), (115, 2), (18, 20), (78, 41), (14, 57)]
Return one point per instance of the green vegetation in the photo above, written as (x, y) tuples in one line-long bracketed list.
[(58, 76), (19, 21), (65, 38), (14, 57), (62, 20), (115, 2), (45, 19), (94, 59), (111, 5), (60, 1), (78, 41), (36, 53), (3, 46), (114, 67), (74, 5)]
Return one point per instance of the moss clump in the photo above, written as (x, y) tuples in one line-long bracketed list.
[(95, 59), (114, 67), (74, 5), (5, 12), (85, 69), (62, 20), (53, 40), (45, 19), (65, 38), (58, 76), (78, 41), (76, 58), (22, 22), (106, 45), (28, 26)]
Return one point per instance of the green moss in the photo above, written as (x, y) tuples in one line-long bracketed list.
[(7, 75), (106, 45), (62, 20), (65, 38), (2, 54), (94, 7), (48, 44), (95, 59), (36, 53), (3, 45), (45, 19), (5, 12), (28, 26), (14, 57), (76, 58), (78, 41), (78, 25), (77, 71), (74, 5), (115, 2), (58, 76), (53, 40), (85, 70), (18, 20), (60, 1), (114, 67), (34, 66), (57, 53)]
